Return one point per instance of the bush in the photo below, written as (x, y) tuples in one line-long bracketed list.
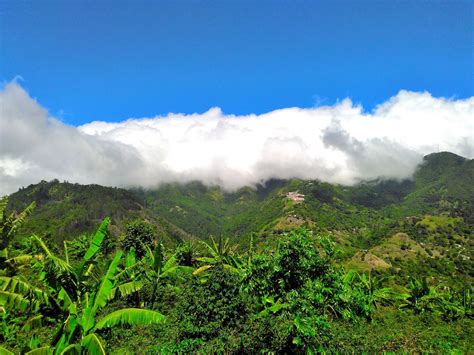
[(302, 292), (207, 308), (185, 254)]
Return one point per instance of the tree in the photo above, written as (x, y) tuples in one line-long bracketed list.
[(206, 308), (300, 289), (138, 235)]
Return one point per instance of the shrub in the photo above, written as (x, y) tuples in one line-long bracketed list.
[(207, 308), (185, 255)]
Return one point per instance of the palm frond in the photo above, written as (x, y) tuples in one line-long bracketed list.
[(20, 260), (130, 316), (14, 284), (5, 351), (72, 349), (59, 264), (97, 239), (126, 289), (35, 322), (93, 344), (45, 350), (20, 219), (105, 288), (13, 300)]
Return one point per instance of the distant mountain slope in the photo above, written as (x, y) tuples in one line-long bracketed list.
[(65, 210), (205, 211), (444, 183)]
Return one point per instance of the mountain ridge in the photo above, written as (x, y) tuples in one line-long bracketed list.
[(434, 209)]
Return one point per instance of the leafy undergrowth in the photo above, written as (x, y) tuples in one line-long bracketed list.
[(389, 332)]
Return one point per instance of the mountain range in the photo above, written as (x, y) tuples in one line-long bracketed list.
[(422, 224)]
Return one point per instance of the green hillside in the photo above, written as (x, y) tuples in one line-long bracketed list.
[(64, 211), (286, 267)]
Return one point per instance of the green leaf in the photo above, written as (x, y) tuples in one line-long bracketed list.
[(170, 263), (130, 316), (298, 341), (67, 302), (60, 265), (13, 300), (45, 350), (73, 349), (20, 219), (65, 334), (4, 351), (93, 344), (158, 258), (33, 323), (103, 294), (127, 288), (107, 284), (98, 239), (15, 285), (130, 258), (19, 260), (206, 259), (212, 249)]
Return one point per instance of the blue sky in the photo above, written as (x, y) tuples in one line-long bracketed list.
[(111, 60)]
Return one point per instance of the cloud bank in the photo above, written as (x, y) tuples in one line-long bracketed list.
[(338, 144)]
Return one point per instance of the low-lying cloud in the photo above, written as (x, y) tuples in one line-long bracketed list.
[(338, 144)]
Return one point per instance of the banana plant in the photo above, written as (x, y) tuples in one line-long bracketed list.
[(220, 253), (377, 295), (9, 223), (80, 297), (439, 300), (19, 294), (130, 278), (152, 269), (158, 269), (79, 330)]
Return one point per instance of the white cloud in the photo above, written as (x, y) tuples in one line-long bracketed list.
[(338, 144)]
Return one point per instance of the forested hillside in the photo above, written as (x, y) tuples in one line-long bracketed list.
[(64, 211), (433, 213), (286, 266)]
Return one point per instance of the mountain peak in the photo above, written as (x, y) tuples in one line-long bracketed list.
[(443, 157)]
